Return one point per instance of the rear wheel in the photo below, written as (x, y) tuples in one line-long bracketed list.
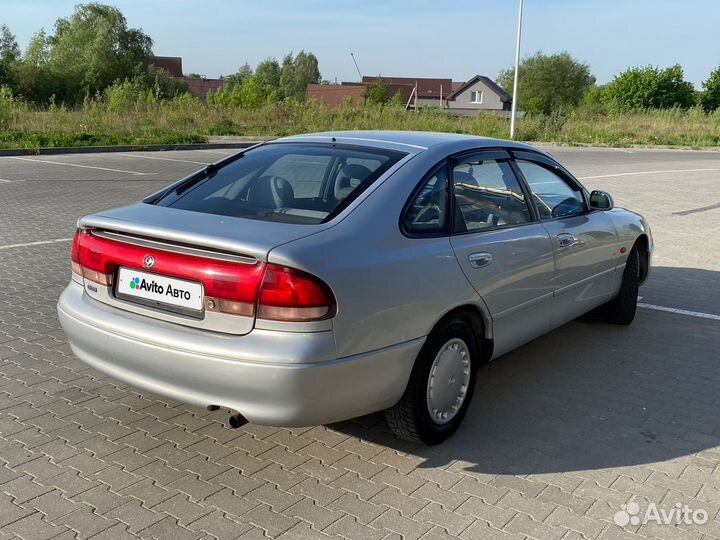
[(621, 310), (440, 387)]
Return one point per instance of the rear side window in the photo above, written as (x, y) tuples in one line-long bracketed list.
[(285, 182), (427, 211)]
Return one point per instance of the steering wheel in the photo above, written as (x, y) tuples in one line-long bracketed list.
[(567, 206)]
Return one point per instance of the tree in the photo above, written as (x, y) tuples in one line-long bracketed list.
[(296, 73), (287, 75), (377, 92), (38, 50), (32, 74), (650, 87), (90, 50), (9, 50), (239, 77), (9, 55), (268, 73), (710, 97), (547, 82)]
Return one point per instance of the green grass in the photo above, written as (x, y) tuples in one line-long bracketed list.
[(188, 120)]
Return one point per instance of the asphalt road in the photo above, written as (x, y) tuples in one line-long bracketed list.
[(560, 435)]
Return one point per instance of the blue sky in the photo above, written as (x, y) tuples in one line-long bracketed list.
[(456, 39)]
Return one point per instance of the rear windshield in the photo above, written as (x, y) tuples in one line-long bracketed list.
[(284, 182)]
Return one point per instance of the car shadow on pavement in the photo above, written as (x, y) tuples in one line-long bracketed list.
[(590, 395)]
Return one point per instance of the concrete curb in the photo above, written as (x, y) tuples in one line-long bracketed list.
[(129, 148), (628, 147)]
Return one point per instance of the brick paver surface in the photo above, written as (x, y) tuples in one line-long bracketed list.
[(560, 435)]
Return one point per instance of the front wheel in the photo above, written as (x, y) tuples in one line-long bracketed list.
[(621, 310), (440, 387)]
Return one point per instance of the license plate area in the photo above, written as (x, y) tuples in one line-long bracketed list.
[(164, 293)]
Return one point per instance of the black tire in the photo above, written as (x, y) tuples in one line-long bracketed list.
[(410, 418), (621, 310)]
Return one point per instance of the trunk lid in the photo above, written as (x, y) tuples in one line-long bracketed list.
[(252, 238), (213, 242)]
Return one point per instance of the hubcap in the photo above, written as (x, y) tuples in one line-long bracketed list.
[(448, 381)]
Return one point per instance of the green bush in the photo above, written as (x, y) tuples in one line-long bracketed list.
[(650, 87), (8, 107), (710, 97)]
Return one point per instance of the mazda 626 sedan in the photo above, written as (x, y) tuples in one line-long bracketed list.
[(321, 277)]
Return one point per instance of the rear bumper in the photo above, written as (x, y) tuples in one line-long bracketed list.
[(272, 378)]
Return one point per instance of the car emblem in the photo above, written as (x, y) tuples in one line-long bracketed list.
[(149, 261)]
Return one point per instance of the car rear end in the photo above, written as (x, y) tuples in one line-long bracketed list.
[(179, 295)]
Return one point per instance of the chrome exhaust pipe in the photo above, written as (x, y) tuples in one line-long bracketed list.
[(236, 421)]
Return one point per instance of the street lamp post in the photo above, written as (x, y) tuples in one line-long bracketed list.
[(517, 72)]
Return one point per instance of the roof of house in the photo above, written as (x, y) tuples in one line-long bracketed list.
[(335, 95), (173, 64), (427, 88), (504, 96)]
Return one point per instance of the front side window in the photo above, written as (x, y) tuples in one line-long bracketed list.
[(285, 182), (487, 195), (427, 212), (552, 195), (476, 96)]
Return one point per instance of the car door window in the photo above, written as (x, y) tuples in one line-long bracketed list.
[(487, 195), (427, 212), (553, 196)]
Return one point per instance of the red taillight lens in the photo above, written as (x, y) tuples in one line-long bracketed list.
[(287, 294), (229, 287), (75, 250), (280, 293), (75, 255)]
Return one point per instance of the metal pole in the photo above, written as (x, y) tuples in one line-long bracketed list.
[(517, 73), (356, 66)]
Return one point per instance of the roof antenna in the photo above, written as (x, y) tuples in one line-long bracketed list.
[(356, 66)]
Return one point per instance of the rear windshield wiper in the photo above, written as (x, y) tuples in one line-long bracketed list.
[(181, 186)]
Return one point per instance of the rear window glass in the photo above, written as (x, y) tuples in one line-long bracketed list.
[(290, 183)]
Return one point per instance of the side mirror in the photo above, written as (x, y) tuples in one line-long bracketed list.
[(601, 200)]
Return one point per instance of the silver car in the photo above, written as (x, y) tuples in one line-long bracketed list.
[(321, 277)]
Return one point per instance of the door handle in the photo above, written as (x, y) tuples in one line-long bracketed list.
[(566, 240), (478, 260)]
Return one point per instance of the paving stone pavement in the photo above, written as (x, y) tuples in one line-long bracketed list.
[(560, 435)]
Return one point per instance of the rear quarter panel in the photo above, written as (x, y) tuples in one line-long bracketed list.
[(390, 288)]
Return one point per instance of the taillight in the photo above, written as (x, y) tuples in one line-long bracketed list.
[(287, 294), (277, 292), (75, 256)]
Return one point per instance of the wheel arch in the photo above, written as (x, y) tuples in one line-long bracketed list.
[(480, 323), (643, 244)]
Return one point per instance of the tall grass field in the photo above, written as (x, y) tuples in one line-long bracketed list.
[(143, 119)]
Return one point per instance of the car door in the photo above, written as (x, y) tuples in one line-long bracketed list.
[(584, 242), (503, 250)]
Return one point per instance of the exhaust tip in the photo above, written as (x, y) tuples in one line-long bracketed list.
[(236, 421)]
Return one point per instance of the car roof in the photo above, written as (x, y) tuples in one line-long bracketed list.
[(408, 141)]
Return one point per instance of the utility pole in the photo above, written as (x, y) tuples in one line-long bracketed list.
[(517, 73), (356, 66)]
